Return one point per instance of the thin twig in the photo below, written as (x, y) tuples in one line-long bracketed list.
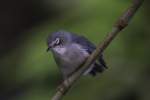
[(120, 24)]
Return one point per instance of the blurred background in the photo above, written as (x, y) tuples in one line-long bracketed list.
[(28, 72)]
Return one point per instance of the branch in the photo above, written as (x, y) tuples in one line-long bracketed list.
[(120, 24)]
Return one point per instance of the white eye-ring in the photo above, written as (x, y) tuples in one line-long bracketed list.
[(57, 41)]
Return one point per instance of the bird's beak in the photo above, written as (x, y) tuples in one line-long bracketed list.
[(49, 48)]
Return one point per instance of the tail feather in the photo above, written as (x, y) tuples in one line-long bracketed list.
[(98, 67), (101, 61)]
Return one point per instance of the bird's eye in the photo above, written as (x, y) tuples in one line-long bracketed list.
[(57, 41)]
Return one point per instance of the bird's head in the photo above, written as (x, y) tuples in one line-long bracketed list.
[(58, 39)]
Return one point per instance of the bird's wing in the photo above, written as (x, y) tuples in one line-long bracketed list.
[(85, 43), (89, 47)]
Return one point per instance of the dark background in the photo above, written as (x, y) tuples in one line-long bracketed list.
[(28, 72)]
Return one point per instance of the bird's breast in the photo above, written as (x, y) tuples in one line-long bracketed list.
[(70, 57), (61, 50), (74, 54)]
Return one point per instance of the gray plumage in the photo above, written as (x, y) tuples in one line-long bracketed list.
[(71, 50)]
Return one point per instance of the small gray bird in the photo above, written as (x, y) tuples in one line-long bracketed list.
[(70, 51)]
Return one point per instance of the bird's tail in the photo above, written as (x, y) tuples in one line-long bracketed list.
[(99, 67)]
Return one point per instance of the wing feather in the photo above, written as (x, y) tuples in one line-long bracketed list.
[(89, 47)]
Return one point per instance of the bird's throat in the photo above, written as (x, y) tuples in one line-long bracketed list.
[(60, 50)]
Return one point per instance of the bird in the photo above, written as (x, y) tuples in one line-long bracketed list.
[(71, 50)]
